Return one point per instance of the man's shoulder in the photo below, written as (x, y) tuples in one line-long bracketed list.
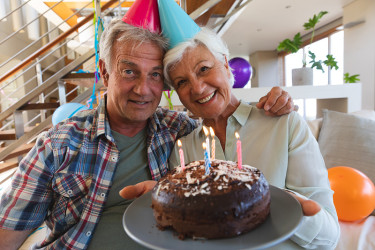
[(173, 121), (166, 114), (77, 125)]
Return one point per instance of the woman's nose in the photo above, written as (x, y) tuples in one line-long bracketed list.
[(197, 86)]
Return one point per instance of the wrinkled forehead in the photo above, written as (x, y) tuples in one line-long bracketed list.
[(146, 50)]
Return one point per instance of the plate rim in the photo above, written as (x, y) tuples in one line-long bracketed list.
[(267, 244)]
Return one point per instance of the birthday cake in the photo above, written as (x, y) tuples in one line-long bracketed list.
[(225, 202)]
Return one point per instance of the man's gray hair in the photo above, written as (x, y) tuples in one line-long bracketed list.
[(205, 37), (117, 30)]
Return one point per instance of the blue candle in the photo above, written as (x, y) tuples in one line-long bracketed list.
[(207, 162)]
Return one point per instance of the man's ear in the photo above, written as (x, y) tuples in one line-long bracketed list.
[(103, 72)]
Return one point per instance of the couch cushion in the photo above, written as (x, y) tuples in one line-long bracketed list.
[(348, 140)]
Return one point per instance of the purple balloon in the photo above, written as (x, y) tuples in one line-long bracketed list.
[(241, 70)]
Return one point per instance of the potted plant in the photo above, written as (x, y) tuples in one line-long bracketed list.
[(304, 75)]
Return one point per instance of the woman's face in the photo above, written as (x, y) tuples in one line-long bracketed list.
[(202, 82)]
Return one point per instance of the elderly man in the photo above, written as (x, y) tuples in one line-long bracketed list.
[(71, 178)]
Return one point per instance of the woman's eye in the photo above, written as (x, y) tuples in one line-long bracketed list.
[(180, 83), (204, 68)]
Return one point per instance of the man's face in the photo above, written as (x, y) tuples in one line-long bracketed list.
[(135, 83)]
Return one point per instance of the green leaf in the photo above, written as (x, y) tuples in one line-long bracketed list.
[(289, 45), (314, 20), (331, 62), (315, 64), (351, 79)]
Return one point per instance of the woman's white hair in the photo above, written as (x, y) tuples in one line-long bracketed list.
[(117, 30), (205, 37)]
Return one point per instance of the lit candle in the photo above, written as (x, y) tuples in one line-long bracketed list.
[(206, 160), (207, 141), (212, 143), (239, 151), (182, 160)]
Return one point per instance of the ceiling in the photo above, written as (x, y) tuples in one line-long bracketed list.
[(259, 26), (262, 24)]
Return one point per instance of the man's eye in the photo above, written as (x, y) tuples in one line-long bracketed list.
[(156, 74), (127, 72)]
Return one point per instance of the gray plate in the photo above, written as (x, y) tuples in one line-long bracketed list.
[(286, 215)]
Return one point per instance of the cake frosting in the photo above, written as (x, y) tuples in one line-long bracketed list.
[(224, 203)]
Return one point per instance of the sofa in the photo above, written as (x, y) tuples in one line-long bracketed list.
[(344, 140), (349, 140)]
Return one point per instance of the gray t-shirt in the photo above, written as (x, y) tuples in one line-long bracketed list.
[(131, 169)]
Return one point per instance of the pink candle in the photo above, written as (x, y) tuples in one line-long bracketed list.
[(212, 143), (207, 141), (182, 160), (239, 151)]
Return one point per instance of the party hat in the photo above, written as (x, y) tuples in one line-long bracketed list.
[(176, 25), (144, 14)]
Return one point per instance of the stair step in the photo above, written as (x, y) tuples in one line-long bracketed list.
[(10, 134), (40, 106), (80, 79), (7, 166), (22, 150)]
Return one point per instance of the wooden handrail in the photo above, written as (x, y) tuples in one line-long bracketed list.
[(48, 46)]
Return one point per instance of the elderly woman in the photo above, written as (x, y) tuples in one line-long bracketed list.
[(281, 147)]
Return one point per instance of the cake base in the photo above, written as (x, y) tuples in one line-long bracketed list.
[(225, 203)]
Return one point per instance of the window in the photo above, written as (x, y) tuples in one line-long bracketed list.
[(332, 44)]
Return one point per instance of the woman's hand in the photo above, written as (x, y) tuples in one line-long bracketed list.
[(309, 207), (277, 102), (134, 191)]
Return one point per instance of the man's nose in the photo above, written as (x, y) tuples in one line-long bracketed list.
[(141, 86)]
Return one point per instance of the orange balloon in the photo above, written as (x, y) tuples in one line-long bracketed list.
[(354, 193)]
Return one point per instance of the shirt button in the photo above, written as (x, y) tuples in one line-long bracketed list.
[(88, 233), (70, 192), (102, 195), (114, 158)]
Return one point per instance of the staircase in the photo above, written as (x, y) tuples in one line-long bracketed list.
[(39, 73)]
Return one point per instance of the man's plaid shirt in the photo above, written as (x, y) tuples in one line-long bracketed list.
[(66, 177)]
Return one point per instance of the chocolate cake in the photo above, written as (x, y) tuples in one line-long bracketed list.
[(224, 203)]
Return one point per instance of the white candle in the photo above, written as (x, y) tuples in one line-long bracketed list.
[(182, 160), (212, 144), (239, 151)]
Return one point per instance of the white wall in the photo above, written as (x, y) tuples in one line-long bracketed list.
[(265, 67), (359, 47)]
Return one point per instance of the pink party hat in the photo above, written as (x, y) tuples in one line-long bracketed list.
[(144, 14)]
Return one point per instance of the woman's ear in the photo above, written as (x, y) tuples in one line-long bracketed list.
[(226, 65), (103, 72)]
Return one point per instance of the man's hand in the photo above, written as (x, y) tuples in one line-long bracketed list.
[(309, 207), (134, 191), (276, 103)]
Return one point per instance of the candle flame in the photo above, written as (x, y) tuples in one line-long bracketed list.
[(179, 143), (204, 145), (212, 132), (205, 130), (237, 135)]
